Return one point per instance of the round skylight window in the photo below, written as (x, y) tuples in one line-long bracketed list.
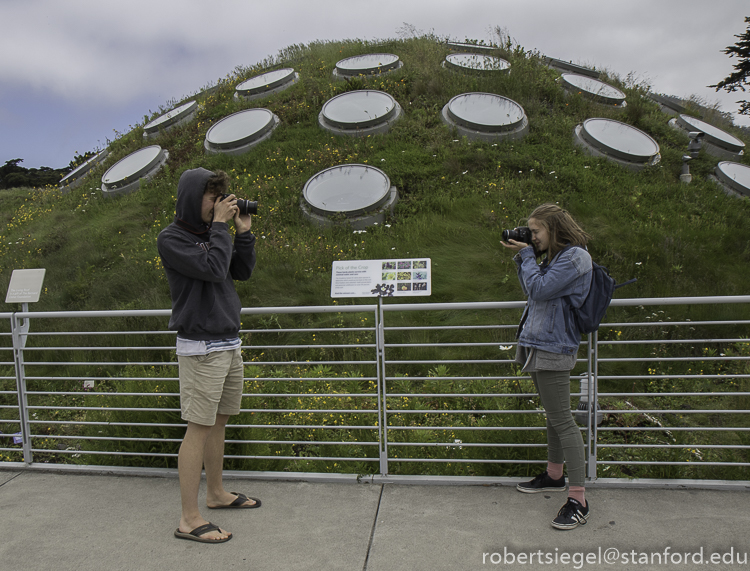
[(75, 177), (125, 176), (239, 132), (568, 67), (476, 62), (593, 89), (716, 142), (618, 142), (177, 116), (267, 84), (734, 177), (369, 64), (486, 117), (359, 113), (360, 193)]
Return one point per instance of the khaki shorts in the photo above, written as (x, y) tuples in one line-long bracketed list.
[(210, 385)]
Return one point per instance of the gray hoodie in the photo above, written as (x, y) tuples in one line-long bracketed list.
[(201, 264)]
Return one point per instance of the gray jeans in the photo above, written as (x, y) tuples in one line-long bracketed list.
[(564, 440)]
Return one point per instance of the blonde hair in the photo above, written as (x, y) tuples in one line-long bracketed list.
[(561, 227)]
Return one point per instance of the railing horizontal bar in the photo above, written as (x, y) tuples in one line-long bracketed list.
[(468, 379), (460, 395), (673, 429), (89, 378), (680, 323), (669, 359), (451, 361), (466, 445), (438, 345), (701, 394), (671, 341), (245, 395), (465, 461), (684, 463), (641, 377), (468, 428), (448, 411), (448, 327), (184, 426), (684, 446), (178, 440), (99, 348), (310, 378), (677, 411)]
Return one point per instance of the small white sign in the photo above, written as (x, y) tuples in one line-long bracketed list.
[(381, 278), (25, 286)]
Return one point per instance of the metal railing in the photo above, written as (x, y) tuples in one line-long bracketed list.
[(387, 388)]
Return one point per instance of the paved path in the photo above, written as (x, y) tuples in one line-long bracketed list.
[(60, 522)]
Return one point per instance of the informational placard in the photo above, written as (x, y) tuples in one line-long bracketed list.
[(25, 286), (381, 278)]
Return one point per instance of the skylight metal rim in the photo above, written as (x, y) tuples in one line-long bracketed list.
[(147, 170), (729, 146), (482, 127), (727, 180), (165, 121), (288, 78), (622, 155), (616, 101), (348, 213), (247, 139), (506, 65), (379, 120), (377, 70)]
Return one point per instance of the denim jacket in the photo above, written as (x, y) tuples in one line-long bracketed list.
[(547, 323)]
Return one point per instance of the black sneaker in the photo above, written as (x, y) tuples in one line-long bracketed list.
[(571, 515), (542, 483)]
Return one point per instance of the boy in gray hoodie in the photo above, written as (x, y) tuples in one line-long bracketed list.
[(201, 263)]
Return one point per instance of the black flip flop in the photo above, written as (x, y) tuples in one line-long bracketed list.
[(195, 535), (238, 503)]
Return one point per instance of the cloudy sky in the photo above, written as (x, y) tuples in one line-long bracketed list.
[(74, 71)]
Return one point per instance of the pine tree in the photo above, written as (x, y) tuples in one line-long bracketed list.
[(741, 76)]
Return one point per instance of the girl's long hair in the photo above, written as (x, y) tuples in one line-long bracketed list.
[(561, 227)]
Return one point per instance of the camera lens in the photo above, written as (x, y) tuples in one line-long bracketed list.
[(522, 234), (244, 206), (247, 206)]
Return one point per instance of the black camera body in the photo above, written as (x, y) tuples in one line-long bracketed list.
[(245, 206), (520, 234)]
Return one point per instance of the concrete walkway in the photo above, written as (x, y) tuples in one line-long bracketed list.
[(58, 521)]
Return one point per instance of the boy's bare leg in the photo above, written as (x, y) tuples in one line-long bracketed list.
[(190, 465), (216, 495)]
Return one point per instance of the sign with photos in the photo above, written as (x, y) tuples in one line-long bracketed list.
[(381, 278)]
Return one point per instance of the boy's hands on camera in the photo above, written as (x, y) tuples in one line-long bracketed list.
[(226, 209)]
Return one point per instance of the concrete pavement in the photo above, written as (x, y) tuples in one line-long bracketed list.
[(60, 521)]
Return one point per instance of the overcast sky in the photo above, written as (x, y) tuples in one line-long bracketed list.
[(73, 71)]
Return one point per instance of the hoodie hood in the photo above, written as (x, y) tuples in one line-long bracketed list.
[(190, 191)]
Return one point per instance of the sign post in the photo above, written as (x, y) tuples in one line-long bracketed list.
[(404, 277), (25, 287)]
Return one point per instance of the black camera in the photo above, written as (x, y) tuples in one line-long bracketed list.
[(245, 206), (520, 234)]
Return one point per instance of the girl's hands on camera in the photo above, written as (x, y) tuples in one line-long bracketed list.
[(515, 246)]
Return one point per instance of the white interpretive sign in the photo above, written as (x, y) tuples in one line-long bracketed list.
[(25, 286), (381, 278)]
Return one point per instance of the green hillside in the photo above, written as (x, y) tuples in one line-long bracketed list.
[(456, 197)]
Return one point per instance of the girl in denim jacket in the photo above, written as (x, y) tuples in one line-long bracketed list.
[(548, 344)]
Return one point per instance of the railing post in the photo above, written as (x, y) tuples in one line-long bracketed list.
[(593, 404), (382, 403), (19, 331)]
